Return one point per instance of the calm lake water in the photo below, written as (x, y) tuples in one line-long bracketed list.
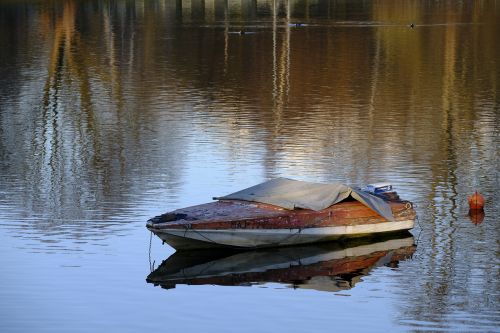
[(112, 112)]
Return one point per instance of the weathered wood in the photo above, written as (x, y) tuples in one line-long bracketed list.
[(246, 215), (252, 225)]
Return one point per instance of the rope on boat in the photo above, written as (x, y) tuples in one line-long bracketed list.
[(299, 231), (188, 227), (419, 234), (151, 265), (288, 237), (418, 222)]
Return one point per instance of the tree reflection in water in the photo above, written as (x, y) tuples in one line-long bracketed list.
[(112, 111)]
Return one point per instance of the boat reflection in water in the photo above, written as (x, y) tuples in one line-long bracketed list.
[(324, 266)]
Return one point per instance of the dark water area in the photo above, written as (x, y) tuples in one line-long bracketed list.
[(112, 112)]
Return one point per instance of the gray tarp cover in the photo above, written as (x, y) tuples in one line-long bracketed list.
[(291, 194)]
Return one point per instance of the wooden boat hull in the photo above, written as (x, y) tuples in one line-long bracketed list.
[(253, 225)]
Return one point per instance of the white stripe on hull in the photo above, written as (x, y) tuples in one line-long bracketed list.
[(249, 238)]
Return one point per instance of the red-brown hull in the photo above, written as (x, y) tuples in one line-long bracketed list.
[(251, 225), (250, 215)]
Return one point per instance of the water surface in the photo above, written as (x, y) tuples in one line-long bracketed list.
[(115, 111)]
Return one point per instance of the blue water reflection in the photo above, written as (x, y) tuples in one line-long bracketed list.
[(112, 112)]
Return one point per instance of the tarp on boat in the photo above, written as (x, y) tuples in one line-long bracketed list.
[(291, 194)]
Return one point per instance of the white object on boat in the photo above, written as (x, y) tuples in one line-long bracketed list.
[(376, 188)]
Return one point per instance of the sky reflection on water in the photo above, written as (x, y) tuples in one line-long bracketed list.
[(113, 112)]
